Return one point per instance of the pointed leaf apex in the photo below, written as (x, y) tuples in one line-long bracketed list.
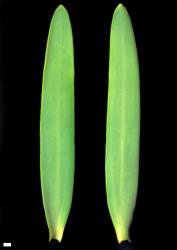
[(61, 9), (120, 8)]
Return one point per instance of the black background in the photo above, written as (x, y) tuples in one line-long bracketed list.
[(23, 33)]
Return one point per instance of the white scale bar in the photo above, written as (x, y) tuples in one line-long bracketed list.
[(7, 244)]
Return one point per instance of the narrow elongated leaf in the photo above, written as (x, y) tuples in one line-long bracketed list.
[(123, 124), (57, 124)]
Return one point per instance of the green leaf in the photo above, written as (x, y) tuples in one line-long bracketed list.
[(123, 124), (57, 124)]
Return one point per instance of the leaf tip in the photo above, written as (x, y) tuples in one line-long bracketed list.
[(120, 9), (61, 9)]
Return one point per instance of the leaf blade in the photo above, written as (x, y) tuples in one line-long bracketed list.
[(123, 123), (57, 124)]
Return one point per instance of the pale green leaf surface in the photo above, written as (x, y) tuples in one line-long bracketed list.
[(57, 124), (123, 124)]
